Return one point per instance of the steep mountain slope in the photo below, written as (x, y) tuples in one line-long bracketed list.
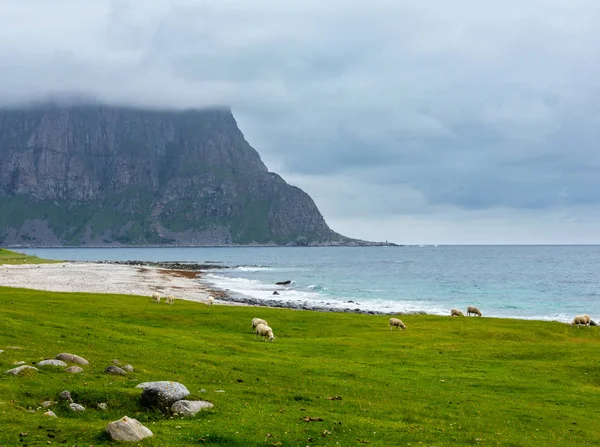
[(97, 175)]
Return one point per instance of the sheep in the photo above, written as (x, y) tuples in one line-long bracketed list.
[(456, 313), (581, 319), (473, 310), (210, 301), (256, 322), (170, 299), (394, 322), (265, 331), (156, 297)]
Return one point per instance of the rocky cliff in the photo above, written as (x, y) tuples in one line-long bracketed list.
[(99, 175)]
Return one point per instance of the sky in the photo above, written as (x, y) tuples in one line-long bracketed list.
[(411, 121)]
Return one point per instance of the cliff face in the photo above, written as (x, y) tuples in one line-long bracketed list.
[(96, 175)]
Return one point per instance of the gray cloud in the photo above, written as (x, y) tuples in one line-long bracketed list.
[(398, 110)]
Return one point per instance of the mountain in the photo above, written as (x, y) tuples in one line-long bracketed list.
[(98, 175)]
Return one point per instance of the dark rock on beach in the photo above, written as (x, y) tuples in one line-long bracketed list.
[(283, 283)]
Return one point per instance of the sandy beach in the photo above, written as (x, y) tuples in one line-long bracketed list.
[(108, 278)]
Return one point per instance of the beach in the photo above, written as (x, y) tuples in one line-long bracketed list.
[(108, 278)]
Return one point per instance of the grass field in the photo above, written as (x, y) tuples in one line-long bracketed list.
[(11, 257), (444, 381)]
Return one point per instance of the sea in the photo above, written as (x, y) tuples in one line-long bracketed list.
[(524, 282)]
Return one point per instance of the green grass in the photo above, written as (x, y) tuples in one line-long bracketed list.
[(11, 257), (444, 381)]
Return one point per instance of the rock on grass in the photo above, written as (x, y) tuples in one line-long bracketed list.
[(190, 407), (127, 429), (72, 358), (21, 370), (162, 394)]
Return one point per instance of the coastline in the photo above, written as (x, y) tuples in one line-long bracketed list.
[(182, 280)]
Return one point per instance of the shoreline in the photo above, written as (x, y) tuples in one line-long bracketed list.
[(180, 279), (142, 278)]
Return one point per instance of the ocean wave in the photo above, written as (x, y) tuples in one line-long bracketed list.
[(252, 268)]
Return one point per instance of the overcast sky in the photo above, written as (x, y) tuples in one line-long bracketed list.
[(415, 121)]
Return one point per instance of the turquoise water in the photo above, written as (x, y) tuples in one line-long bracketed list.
[(529, 282)]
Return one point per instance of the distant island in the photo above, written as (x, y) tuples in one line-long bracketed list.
[(96, 175)]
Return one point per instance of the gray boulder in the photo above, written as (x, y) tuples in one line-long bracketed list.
[(47, 403), (127, 429), (190, 407), (128, 368), (102, 406), (162, 394), (50, 414), (58, 363), (112, 369), (71, 358), (74, 369), (65, 395), (21, 369), (76, 407)]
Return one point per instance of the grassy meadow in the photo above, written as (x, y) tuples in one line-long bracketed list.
[(444, 381)]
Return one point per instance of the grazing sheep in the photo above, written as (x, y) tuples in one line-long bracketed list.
[(265, 332), (156, 297), (456, 313), (170, 299), (210, 301), (473, 310), (581, 319), (256, 322), (394, 322)]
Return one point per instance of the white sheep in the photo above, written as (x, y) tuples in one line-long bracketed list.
[(473, 310), (456, 313), (581, 319), (155, 297), (394, 322), (256, 322), (265, 331), (210, 301), (170, 299)]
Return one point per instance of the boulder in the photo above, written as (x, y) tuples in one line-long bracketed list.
[(127, 429), (76, 407), (72, 358), (592, 323), (102, 406), (115, 370), (128, 368), (19, 363), (283, 283), (65, 395), (190, 407), (47, 403), (275, 292), (58, 363), (74, 369), (50, 414), (21, 369), (162, 394)]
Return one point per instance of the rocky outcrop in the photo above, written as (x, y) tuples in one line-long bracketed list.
[(99, 175)]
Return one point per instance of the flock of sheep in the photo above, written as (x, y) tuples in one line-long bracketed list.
[(262, 329)]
